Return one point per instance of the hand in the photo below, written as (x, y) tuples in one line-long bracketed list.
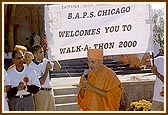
[(86, 84), (154, 70), (48, 66), (21, 86), (7, 88), (26, 79), (162, 92)]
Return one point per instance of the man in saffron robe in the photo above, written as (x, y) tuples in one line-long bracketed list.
[(102, 89)]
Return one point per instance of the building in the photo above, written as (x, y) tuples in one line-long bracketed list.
[(20, 20)]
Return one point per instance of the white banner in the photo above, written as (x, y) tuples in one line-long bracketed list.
[(115, 28)]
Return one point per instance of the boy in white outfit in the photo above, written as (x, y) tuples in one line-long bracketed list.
[(44, 99)]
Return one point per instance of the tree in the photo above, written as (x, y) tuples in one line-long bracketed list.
[(158, 26)]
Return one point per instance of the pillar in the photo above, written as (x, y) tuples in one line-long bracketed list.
[(35, 20), (11, 25)]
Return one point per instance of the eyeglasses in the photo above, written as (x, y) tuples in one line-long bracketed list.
[(19, 58)]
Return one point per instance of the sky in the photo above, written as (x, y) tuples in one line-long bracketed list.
[(157, 6)]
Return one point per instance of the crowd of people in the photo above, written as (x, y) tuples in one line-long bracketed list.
[(35, 39), (27, 83)]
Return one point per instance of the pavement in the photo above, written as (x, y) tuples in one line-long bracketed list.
[(65, 82)]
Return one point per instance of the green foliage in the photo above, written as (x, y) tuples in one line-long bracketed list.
[(158, 26)]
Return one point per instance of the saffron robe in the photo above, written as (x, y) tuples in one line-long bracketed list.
[(105, 79)]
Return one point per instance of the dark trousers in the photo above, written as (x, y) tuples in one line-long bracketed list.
[(22, 104)]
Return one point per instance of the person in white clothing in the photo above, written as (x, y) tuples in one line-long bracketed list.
[(156, 49), (28, 57), (158, 70), (43, 66), (6, 88), (37, 39), (23, 81)]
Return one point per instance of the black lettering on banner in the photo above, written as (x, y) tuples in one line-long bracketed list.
[(127, 27), (78, 48), (112, 29), (127, 44), (86, 48), (73, 49), (77, 33), (84, 14), (62, 50), (91, 15), (134, 44), (69, 15), (77, 16), (101, 12), (104, 45), (107, 12)]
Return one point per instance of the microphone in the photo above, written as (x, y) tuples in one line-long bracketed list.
[(86, 73)]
